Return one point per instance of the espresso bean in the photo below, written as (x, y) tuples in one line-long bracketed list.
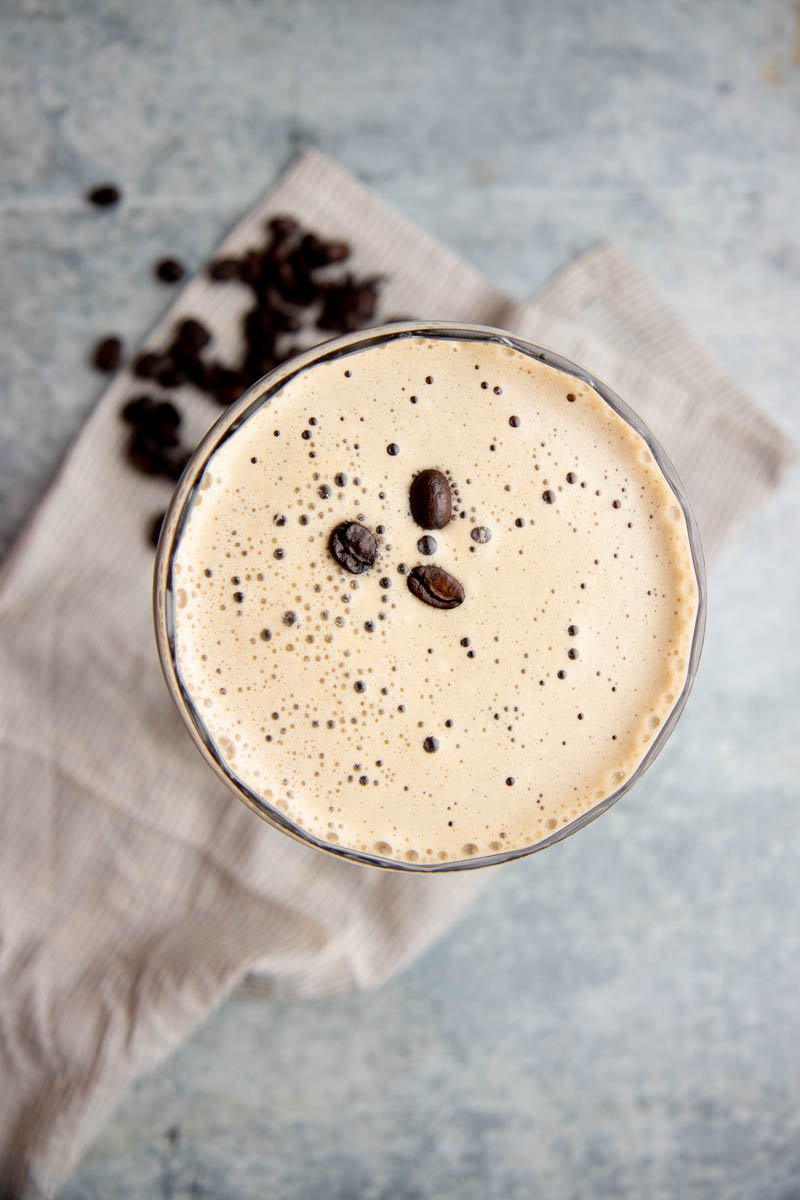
[(169, 270), (192, 336), (148, 365), (105, 195), (107, 354), (146, 456), (175, 464), (431, 499), (223, 269), (281, 227), (434, 586), (154, 529), (354, 547)]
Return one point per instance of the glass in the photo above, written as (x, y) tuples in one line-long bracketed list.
[(181, 506)]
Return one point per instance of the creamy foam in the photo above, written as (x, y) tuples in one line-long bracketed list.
[(374, 721)]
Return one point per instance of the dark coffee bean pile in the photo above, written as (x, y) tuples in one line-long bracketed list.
[(291, 291)]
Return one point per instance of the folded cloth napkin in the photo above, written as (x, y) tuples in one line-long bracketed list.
[(135, 892)]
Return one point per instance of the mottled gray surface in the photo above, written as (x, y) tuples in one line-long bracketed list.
[(620, 1018)]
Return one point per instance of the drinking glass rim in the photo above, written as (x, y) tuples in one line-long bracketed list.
[(260, 393)]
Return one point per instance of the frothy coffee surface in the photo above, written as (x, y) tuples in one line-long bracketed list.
[(375, 720)]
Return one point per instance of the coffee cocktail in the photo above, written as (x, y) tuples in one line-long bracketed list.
[(430, 597)]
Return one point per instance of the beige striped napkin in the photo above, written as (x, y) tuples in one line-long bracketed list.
[(135, 892)]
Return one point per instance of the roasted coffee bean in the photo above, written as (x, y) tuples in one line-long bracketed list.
[(137, 410), (336, 251), (107, 354), (281, 227), (223, 269), (250, 267), (192, 336), (171, 376), (166, 414), (146, 455), (156, 420), (431, 499), (354, 547), (175, 464), (349, 305), (169, 270), (226, 385), (192, 366), (155, 528), (312, 251), (105, 195), (148, 365), (436, 587)]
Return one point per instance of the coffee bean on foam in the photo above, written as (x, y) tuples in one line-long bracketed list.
[(491, 682)]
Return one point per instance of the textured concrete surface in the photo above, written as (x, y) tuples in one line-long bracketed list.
[(620, 1017)]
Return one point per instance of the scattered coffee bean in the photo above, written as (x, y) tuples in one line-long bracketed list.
[(223, 269), (427, 545), (147, 365), (354, 547), (169, 270), (104, 195), (155, 528), (280, 273), (192, 336), (435, 587), (481, 535), (107, 354), (431, 499)]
